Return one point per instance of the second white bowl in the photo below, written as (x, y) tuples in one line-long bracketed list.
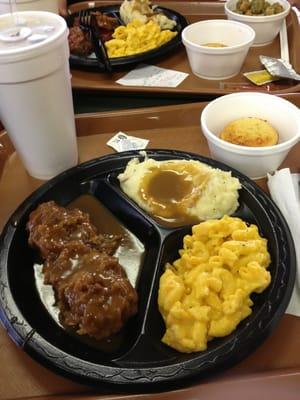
[(255, 162), (217, 62), (266, 27)]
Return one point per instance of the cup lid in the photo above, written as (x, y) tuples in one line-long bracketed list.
[(29, 31)]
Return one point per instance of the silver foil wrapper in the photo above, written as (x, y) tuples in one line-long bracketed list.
[(279, 68)]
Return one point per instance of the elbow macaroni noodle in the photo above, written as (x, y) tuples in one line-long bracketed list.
[(206, 292)]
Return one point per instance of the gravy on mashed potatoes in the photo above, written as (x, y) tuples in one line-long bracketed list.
[(177, 192), (251, 132), (206, 292)]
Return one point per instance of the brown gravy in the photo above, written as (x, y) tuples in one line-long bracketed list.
[(170, 192), (168, 187), (130, 254)]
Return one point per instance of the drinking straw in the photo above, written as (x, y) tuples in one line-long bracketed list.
[(13, 11)]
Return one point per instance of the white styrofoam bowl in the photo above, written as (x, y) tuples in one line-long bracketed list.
[(255, 162), (266, 27), (217, 62)]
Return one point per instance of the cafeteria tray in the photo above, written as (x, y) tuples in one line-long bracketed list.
[(194, 86), (273, 369)]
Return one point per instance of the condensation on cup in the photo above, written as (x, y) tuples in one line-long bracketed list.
[(30, 5), (36, 105)]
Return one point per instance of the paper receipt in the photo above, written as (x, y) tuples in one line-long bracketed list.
[(150, 75)]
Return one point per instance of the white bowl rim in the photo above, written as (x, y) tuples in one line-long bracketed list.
[(259, 18), (218, 50), (247, 150)]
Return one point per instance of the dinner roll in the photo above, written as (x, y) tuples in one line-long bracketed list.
[(249, 131)]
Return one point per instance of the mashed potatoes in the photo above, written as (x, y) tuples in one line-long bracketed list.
[(136, 38), (180, 191), (249, 131), (206, 292), (142, 10)]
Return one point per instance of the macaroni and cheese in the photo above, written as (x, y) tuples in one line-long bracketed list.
[(136, 38), (206, 292)]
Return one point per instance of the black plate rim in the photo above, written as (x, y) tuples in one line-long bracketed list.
[(126, 379), (117, 62)]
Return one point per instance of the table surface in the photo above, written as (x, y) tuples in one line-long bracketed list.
[(271, 371)]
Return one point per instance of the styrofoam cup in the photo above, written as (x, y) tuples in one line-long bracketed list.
[(36, 104), (30, 5)]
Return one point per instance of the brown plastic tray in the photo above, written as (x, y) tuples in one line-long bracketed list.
[(272, 371), (193, 86)]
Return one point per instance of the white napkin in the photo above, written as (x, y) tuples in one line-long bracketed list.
[(151, 75), (285, 191)]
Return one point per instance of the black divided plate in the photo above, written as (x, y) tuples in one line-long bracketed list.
[(142, 361), (119, 63)]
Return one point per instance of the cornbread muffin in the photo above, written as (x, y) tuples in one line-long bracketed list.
[(252, 132)]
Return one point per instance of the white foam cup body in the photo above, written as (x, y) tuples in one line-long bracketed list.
[(36, 104), (30, 5)]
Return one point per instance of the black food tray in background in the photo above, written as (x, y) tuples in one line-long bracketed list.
[(119, 63), (142, 360)]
